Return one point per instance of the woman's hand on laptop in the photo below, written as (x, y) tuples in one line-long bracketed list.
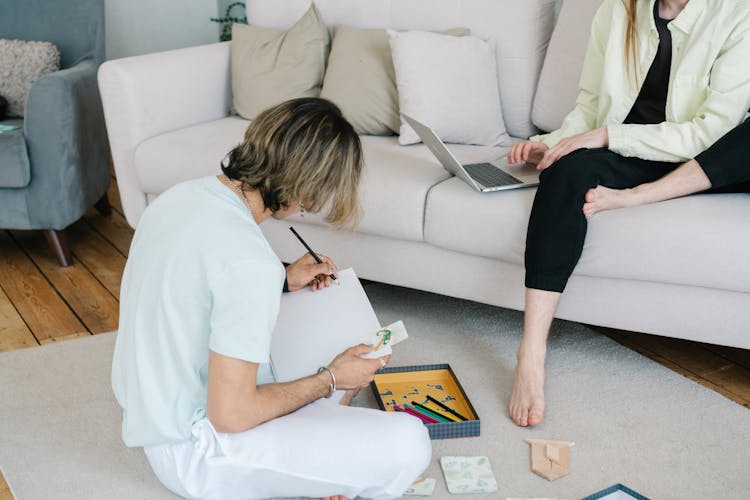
[(597, 138), (527, 152)]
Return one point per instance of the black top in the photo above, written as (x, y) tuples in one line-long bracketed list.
[(652, 100)]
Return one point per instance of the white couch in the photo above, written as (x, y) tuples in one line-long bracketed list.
[(678, 268)]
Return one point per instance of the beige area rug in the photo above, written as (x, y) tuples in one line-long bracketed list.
[(633, 421)]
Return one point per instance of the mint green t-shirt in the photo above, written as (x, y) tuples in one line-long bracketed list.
[(200, 276)]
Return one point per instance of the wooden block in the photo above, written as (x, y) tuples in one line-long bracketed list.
[(552, 453), (550, 459)]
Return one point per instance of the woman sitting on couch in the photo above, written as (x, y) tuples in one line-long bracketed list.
[(662, 81)]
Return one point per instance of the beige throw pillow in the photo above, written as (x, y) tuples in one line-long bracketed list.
[(271, 65), (361, 80)]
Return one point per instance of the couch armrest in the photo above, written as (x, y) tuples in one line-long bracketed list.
[(145, 96), (67, 144)]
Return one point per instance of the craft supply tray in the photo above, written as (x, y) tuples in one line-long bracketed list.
[(402, 384)]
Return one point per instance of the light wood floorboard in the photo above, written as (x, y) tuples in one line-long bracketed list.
[(39, 304), (14, 334), (5, 493)]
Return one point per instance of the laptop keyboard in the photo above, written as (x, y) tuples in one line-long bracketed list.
[(489, 175)]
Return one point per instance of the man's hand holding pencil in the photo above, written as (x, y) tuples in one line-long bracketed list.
[(307, 271)]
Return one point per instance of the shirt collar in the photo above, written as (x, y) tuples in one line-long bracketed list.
[(689, 15)]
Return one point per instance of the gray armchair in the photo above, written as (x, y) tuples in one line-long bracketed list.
[(65, 169)]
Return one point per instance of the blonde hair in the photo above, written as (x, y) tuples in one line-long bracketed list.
[(631, 39), (301, 150)]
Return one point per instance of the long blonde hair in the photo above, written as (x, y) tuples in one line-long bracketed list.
[(631, 39), (301, 150)]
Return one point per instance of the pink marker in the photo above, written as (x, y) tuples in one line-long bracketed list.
[(421, 417)]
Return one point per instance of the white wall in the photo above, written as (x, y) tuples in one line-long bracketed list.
[(135, 27)]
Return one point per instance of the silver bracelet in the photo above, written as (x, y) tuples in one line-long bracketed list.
[(332, 385)]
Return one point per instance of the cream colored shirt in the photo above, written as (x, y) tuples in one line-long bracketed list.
[(709, 81)]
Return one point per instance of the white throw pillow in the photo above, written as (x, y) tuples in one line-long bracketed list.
[(450, 84)]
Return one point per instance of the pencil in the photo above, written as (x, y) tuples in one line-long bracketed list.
[(443, 415), (310, 250), (430, 413), (449, 410), (413, 413)]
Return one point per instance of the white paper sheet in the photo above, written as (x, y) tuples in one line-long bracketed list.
[(314, 327)]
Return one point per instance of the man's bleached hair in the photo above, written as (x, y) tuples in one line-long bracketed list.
[(301, 150)]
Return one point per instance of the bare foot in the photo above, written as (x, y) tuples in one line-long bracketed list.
[(527, 402), (335, 497), (602, 198)]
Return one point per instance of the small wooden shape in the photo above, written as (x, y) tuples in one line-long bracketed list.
[(550, 459)]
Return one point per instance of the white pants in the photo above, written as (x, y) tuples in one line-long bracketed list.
[(319, 450)]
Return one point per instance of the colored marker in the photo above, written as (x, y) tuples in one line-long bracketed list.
[(423, 418), (449, 410), (434, 413)]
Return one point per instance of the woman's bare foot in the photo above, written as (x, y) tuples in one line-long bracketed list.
[(335, 497), (527, 402), (602, 198)]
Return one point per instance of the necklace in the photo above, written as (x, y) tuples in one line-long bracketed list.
[(239, 192)]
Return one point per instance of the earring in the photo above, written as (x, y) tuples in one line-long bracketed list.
[(301, 209)]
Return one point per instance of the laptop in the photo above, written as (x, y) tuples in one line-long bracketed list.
[(486, 177)]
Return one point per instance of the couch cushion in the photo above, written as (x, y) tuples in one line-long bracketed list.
[(14, 158), (465, 106), (393, 189), (557, 90), (688, 241), (485, 224), (361, 80), (167, 159), (270, 66)]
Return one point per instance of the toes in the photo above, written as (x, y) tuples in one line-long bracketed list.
[(519, 415), (590, 195), (536, 415)]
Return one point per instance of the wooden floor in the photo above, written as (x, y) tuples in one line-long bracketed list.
[(41, 302)]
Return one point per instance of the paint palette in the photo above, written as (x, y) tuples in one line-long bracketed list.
[(395, 386)]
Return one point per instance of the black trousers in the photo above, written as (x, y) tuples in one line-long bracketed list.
[(557, 226)]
